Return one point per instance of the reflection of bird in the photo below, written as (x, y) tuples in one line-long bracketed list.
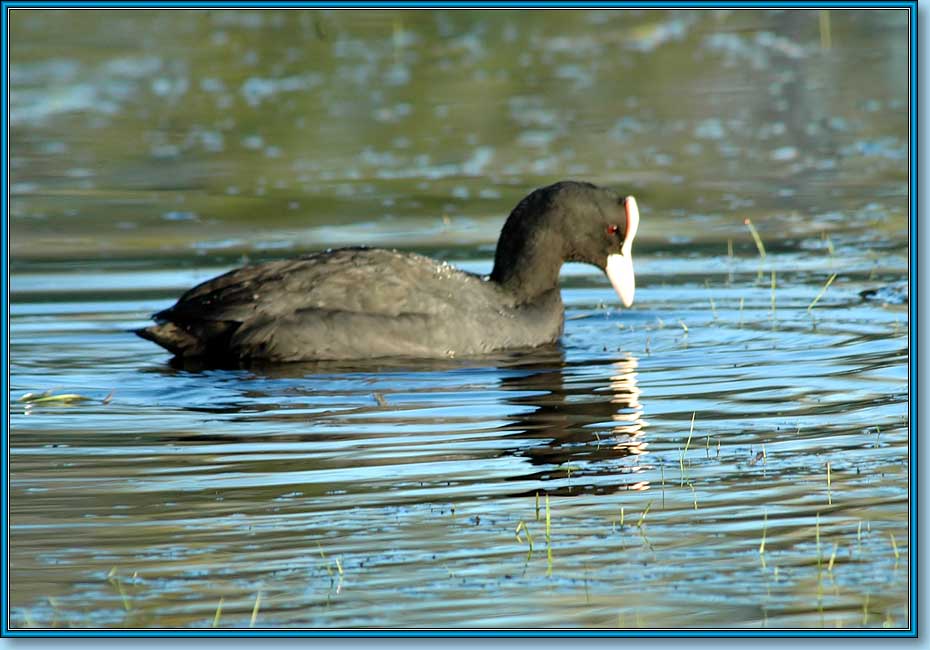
[(359, 303), (582, 424), (570, 427)]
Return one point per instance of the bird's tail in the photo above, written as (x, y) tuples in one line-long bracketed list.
[(175, 339)]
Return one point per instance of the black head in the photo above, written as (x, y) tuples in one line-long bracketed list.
[(567, 222)]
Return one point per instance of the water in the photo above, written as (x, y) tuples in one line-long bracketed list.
[(720, 455)]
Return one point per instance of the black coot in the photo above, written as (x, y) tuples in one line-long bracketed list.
[(357, 303)]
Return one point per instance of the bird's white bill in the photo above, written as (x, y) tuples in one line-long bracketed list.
[(620, 274), (620, 265)]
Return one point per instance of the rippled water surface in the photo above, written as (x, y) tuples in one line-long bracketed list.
[(730, 452)]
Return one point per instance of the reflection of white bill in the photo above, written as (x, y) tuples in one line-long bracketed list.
[(629, 422), (620, 265)]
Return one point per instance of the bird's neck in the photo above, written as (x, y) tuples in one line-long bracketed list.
[(528, 266)]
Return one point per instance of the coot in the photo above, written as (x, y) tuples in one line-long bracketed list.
[(357, 303)]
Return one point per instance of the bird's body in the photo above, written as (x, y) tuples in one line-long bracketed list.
[(357, 303), (314, 307)]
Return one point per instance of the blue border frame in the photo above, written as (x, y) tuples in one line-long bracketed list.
[(913, 235), (911, 632), (481, 4), (5, 337)]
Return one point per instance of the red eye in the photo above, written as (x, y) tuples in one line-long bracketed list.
[(613, 229)]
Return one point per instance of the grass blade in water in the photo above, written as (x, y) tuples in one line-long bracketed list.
[(822, 291)]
